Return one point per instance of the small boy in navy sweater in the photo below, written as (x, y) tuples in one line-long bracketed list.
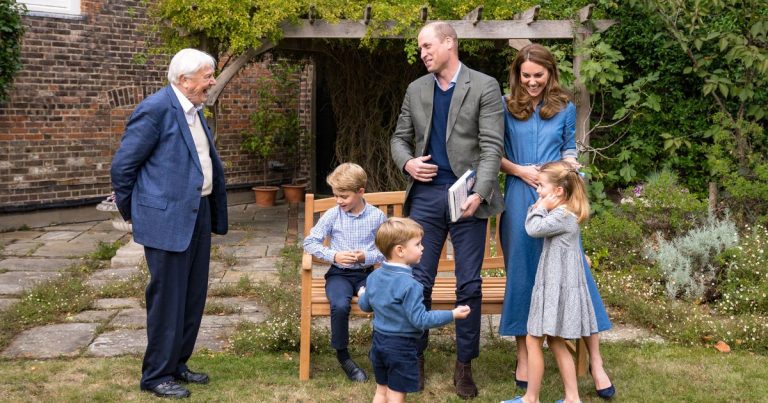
[(396, 299)]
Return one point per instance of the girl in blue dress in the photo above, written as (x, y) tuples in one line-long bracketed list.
[(540, 126)]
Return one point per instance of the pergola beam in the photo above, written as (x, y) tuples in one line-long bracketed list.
[(502, 30)]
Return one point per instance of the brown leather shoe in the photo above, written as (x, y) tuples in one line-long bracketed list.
[(421, 372), (462, 379)]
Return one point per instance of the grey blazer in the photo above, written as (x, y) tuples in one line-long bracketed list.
[(474, 138)]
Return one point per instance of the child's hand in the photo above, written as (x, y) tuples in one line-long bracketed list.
[(461, 312), (345, 258), (361, 291), (550, 201), (359, 255)]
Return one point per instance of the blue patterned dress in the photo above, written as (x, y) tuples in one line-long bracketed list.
[(532, 142)]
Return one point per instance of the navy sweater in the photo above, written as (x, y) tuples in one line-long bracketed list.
[(397, 302), (441, 103)]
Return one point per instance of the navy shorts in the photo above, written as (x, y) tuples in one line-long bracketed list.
[(394, 362)]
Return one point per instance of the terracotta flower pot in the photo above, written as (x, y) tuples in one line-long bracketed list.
[(265, 195), (294, 193)]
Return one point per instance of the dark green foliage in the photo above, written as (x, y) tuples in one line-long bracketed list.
[(661, 204), (612, 242), (11, 32)]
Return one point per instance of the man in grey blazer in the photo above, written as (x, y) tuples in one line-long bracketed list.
[(169, 181), (451, 120)]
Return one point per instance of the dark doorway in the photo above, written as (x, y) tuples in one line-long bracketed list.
[(325, 140)]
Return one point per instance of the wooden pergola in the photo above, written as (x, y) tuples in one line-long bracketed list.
[(518, 32)]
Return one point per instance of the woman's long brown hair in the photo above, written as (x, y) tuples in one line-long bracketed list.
[(554, 98)]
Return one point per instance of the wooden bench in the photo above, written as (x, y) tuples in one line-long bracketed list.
[(314, 302)]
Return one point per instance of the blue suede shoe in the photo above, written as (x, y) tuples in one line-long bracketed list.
[(517, 399), (606, 393)]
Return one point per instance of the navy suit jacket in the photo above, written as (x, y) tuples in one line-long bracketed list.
[(157, 177)]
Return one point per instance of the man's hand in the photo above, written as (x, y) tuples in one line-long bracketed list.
[(461, 312), (420, 170), (470, 205), (345, 258), (529, 174)]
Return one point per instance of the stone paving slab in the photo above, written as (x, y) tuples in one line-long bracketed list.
[(134, 318), (19, 235), (36, 264), (246, 305), (65, 249), (248, 252), (47, 341), (232, 277), (16, 282), (92, 316), (22, 248), (6, 302), (76, 227), (106, 276), (96, 237), (251, 265), (119, 342), (233, 237), (117, 303), (59, 235), (213, 338)]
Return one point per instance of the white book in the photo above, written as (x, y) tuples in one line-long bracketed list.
[(459, 192)]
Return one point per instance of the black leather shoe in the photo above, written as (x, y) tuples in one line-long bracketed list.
[(170, 389), (192, 377), (354, 373)]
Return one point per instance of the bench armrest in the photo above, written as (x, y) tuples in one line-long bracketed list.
[(306, 262)]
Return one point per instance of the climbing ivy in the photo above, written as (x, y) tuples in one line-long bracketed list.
[(11, 32)]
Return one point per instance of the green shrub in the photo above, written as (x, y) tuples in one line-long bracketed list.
[(688, 262), (612, 242), (662, 205), (744, 286)]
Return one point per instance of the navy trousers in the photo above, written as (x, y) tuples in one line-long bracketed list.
[(175, 301), (429, 207), (340, 286)]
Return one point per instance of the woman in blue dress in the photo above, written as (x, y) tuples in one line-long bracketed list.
[(540, 125)]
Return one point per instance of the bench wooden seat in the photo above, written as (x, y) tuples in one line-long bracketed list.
[(314, 302)]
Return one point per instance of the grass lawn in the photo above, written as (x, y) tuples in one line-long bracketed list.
[(642, 373)]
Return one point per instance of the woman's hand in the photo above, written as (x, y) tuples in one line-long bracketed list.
[(573, 162), (527, 173)]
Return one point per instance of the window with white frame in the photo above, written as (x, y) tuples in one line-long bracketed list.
[(53, 6)]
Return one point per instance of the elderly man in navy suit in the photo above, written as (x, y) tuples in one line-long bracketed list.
[(169, 182)]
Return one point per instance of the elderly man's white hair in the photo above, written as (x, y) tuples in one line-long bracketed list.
[(188, 61)]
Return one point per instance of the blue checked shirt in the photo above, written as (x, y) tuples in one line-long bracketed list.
[(347, 232)]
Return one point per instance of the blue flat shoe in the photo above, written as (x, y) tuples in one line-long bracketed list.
[(517, 399), (606, 393), (563, 401), (521, 384)]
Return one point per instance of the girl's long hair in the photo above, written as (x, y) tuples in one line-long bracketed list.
[(561, 174), (554, 99)]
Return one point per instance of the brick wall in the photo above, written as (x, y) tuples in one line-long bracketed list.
[(81, 79)]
